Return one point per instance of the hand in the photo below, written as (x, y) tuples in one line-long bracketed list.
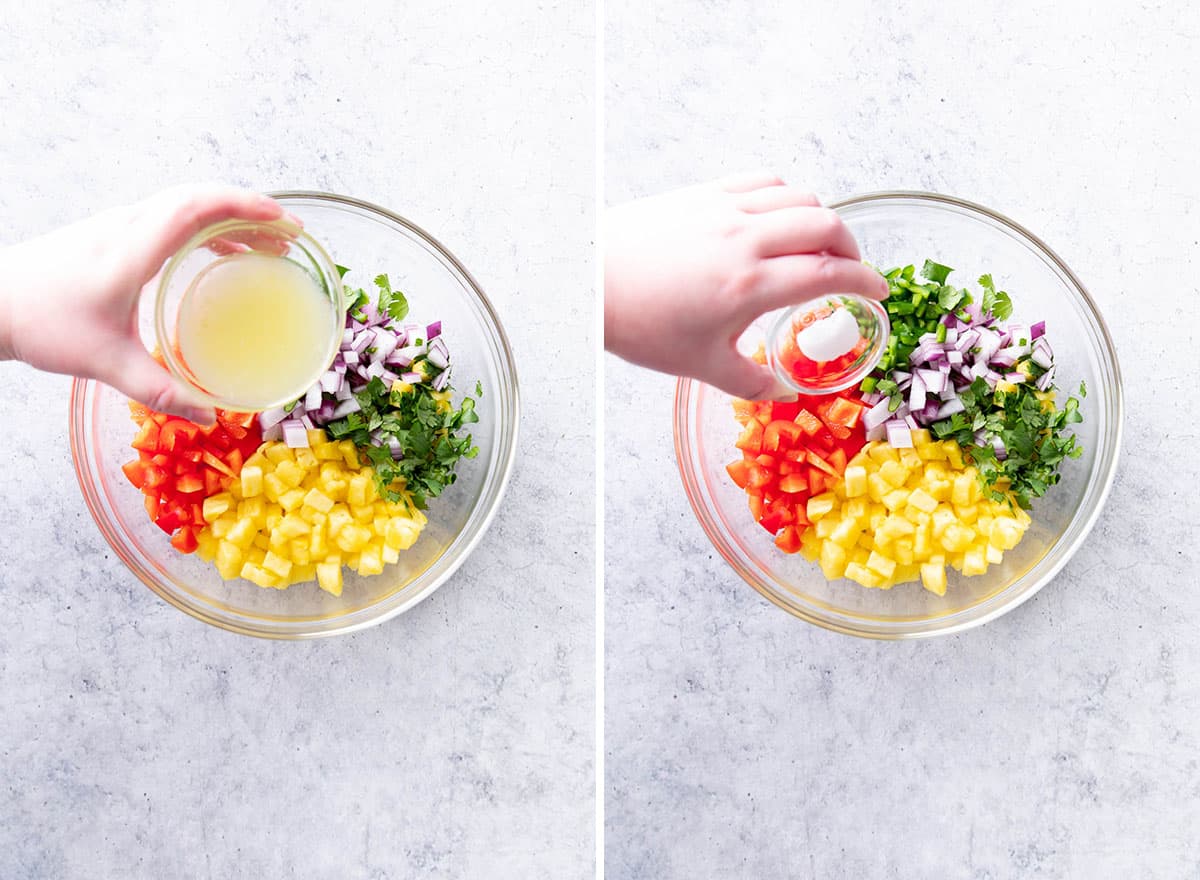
[(69, 300), (685, 273)]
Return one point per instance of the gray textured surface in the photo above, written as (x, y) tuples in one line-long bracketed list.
[(1059, 741), (455, 741)]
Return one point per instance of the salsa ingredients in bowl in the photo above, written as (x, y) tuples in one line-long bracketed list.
[(933, 461), (275, 498)]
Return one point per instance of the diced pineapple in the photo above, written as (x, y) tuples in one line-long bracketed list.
[(833, 560), (329, 577), (953, 455), (956, 538), (895, 500), (922, 500), (327, 452), (402, 533), (317, 500), (273, 487), (352, 538), (298, 551), (215, 505), (251, 480), (291, 473), (242, 533), (882, 452), (823, 527), (292, 499), (884, 566), (933, 577), (974, 562), (277, 452), (277, 565), (855, 481), (349, 453), (894, 473), (819, 505), (846, 533), (258, 575), (370, 561)]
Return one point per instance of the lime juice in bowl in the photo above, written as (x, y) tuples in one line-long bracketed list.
[(249, 313)]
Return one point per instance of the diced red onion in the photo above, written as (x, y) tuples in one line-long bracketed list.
[(441, 380), (1045, 380), (1038, 330), (899, 435), (433, 331), (385, 344), (275, 432), (438, 359), (1014, 377), (295, 435), (374, 370), (1042, 356), (395, 359), (270, 417), (394, 445), (916, 392), (307, 422), (361, 341), (877, 433), (344, 392), (351, 357), (346, 407), (312, 400), (949, 408), (1001, 450), (411, 378), (954, 358), (877, 414)]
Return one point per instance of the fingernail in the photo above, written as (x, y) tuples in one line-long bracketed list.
[(202, 417)]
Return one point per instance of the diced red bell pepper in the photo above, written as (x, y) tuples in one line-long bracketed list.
[(185, 540)]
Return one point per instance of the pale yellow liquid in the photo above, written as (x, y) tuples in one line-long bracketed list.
[(255, 330)]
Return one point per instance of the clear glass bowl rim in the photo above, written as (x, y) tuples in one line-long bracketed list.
[(1006, 599), (385, 609)]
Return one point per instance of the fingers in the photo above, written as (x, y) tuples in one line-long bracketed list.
[(803, 230), (785, 281), (740, 183), (742, 377), (139, 376), (167, 220), (772, 198)]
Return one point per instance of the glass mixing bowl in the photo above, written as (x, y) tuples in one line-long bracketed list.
[(898, 228), (369, 240)]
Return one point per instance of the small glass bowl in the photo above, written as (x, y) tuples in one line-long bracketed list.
[(873, 326), (282, 239)]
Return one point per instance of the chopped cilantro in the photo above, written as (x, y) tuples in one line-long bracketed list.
[(427, 429), (391, 302)]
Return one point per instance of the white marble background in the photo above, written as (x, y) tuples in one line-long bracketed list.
[(1060, 741), (454, 741)]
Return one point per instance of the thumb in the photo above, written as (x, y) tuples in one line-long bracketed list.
[(146, 380), (742, 377)]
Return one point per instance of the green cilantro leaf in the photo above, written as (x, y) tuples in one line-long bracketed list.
[(391, 302)]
